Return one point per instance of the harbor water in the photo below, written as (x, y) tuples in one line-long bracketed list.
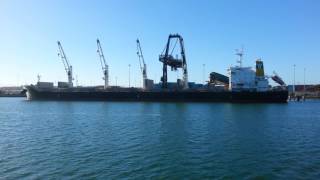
[(116, 140)]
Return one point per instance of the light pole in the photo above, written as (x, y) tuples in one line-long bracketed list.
[(77, 83), (116, 81), (129, 74), (38, 77), (294, 78), (304, 81), (203, 72)]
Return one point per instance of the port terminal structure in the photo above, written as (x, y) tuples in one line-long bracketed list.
[(245, 84), (240, 78), (168, 60)]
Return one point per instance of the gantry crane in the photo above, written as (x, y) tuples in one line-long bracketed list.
[(143, 65), (66, 64), (104, 65), (175, 63)]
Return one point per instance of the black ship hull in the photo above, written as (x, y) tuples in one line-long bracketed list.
[(74, 94)]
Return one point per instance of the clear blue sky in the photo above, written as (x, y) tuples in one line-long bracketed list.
[(282, 33)]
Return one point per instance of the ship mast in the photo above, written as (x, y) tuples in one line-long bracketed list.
[(104, 65), (142, 63), (240, 54), (66, 64)]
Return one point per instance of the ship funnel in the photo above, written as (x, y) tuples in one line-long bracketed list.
[(259, 68)]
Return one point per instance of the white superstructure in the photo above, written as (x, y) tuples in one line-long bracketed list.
[(241, 78), (246, 78)]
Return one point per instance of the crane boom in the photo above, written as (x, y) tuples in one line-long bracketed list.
[(142, 63), (278, 79), (104, 65), (67, 66)]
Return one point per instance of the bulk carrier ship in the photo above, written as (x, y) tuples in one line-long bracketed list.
[(242, 85)]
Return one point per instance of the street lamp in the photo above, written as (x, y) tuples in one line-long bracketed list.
[(129, 75), (304, 81), (294, 78), (116, 81), (203, 72)]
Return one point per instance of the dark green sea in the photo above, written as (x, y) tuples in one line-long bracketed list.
[(117, 140)]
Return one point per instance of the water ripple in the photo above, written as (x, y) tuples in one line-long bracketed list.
[(98, 140)]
